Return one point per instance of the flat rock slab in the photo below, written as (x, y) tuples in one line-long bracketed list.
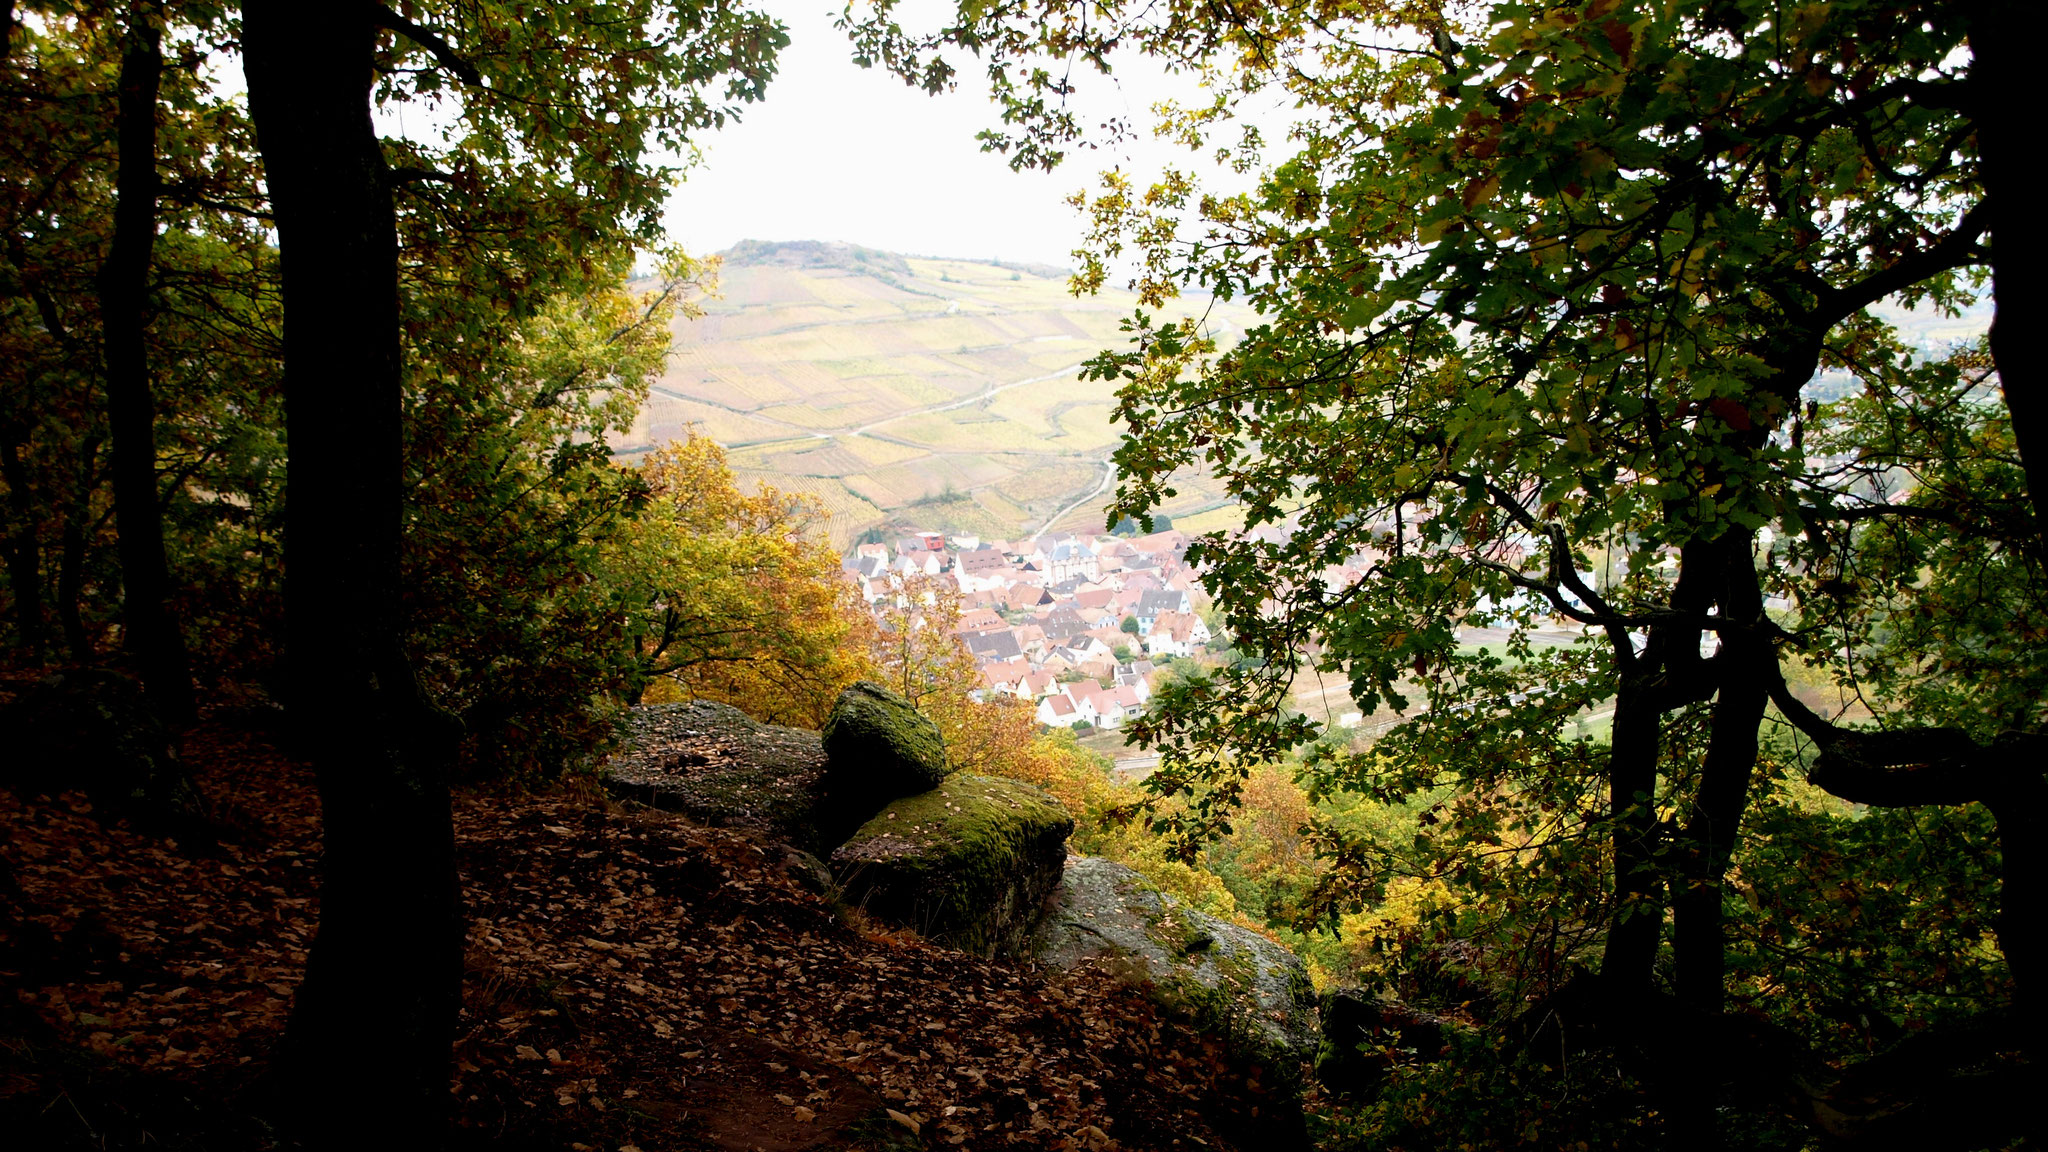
[(717, 765), (1104, 911), (969, 863)]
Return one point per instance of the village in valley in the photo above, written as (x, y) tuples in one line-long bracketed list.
[(1079, 626)]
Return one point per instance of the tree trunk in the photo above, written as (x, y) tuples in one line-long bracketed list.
[(1744, 668), (1748, 661), (1663, 676), (149, 628), (24, 556), (71, 555), (2005, 76), (2022, 815), (1631, 950), (366, 1059)]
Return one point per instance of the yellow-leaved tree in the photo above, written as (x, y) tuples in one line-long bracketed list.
[(735, 596)]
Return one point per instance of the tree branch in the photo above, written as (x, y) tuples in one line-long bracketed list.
[(1906, 767), (426, 38), (413, 175), (1954, 250)]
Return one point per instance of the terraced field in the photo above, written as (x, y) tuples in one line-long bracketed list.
[(944, 392)]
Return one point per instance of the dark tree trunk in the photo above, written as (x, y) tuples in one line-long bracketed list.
[(1747, 662), (1631, 950), (1744, 670), (366, 1060), (71, 554), (2005, 75), (24, 556), (1666, 674), (149, 628)]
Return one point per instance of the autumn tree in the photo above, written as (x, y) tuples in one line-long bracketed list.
[(457, 343), (1538, 282), (547, 168), (514, 509), (733, 595)]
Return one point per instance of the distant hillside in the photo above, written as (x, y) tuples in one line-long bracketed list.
[(908, 388), (814, 254)]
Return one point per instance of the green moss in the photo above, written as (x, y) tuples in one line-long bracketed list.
[(1230, 1007), (966, 862), (877, 748)]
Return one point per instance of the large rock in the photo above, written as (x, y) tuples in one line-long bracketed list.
[(878, 748), (969, 863), (717, 765), (1248, 986), (1362, 1036)]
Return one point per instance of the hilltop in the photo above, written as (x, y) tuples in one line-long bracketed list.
[(878, 382)]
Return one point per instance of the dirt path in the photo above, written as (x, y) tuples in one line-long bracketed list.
[(1108, 473)]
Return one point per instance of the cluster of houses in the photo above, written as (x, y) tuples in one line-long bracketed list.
[(1075, 625)]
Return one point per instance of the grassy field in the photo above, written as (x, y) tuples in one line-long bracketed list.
[(940, 392)]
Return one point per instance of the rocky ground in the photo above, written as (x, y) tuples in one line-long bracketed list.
[(635, 980)]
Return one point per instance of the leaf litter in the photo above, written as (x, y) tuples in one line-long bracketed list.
[(631, 979)]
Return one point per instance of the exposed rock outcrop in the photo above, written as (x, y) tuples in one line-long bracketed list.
[(717, 765), (1254, 988), (1358, 1032), (969, 863), (878, 748)]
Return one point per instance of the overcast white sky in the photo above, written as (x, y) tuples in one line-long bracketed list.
[(837, 152)]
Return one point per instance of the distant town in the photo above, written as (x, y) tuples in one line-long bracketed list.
[(1078, 626)]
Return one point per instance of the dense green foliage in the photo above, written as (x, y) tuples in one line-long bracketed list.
[(521, 211), (213, 339), (1542, 283)]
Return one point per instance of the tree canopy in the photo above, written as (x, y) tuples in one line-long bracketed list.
[(1573, 319), (441, 315)]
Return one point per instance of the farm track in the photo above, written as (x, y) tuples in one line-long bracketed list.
[(1108, 473), (982, 397)]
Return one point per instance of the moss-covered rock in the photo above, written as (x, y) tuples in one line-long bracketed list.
[(1231, 977), (969, 863), (877, 748)]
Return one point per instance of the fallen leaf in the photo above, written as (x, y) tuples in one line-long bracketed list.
[(900, 1118), (805, 1115)]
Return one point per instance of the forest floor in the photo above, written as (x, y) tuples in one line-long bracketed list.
[(633, 982)]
